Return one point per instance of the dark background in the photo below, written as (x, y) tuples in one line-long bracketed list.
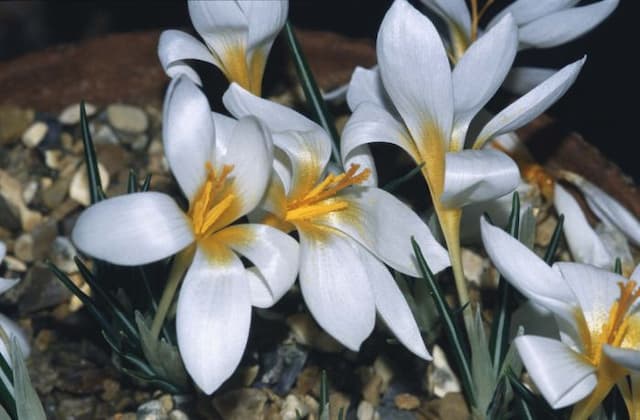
[(601, 105)]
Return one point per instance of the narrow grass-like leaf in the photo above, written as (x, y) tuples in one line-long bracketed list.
[(499, 340), (324, 395), (152, 380), (3, 414), (132, 182), (341, 413), (454, 334), (554, 242), (146, 183), (6, 369), (484, 377), (28, 405), (85, 299), (93, 174), (116, 309), (395, 183), (533, 402), (523, 408), (617, 268), (528, 228), (311, 91), (6, 397)]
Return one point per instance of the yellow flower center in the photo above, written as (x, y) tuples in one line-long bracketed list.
[(321, 199), (211, 201), (618, 328)]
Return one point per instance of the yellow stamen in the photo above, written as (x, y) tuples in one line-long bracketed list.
[(320, 199), (207, 207), (476, 16)]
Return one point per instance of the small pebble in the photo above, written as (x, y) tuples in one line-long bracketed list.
[(79, 187), (62, 253), (406, 401), (14, 264), (127, 118), (178, 415), (13, 122), (29, 191), (34, 134), (54, 158), (103, 134), (71, 114), (293, 408), (366, 411)]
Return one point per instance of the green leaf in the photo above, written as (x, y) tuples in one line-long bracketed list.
[(528, 228), (454, 335), (132, 183), (324, 396), (28, 405), (499, 340), (617, 268), (6, 369), (93, 175), (311, 91), (484, 377), (534, 403), (394, 184), (3, 414), (6, 395), (152, 380), (85, 299), (419, 301), (146, 183), (163, 358), (554, 242)]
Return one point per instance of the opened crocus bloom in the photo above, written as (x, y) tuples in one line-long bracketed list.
[(597, 316), (9, 328), (237, 35), (212, 166), (541, 24), (415, 101), (348, 231)]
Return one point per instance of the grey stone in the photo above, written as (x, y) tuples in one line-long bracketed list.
[(127, 118)]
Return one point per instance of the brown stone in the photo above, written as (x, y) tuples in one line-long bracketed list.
[(406, 401)]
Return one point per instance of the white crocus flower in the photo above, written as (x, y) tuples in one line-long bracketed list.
[(222, 167), (9, 328), (348, 231), (237, 35), (597, 316), (415, 101)]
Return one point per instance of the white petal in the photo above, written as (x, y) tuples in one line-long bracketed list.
[(473, 176), (188, 133), (366, 86), (628, 358), (565, 25), (13, 330), (608, 209), (392, 306), (3, 251), (240, 103), (527, 272), (596, 289), (635, 276), (369, 124), (415, 71), (222, 24), (522, 79), (275, 255), (584, 243), (176, 46), (335, 286), (524, 11), (6, 284), (535, 320), (362, 157), (557, 371), (224, 127), (250, 176), (266, 19), (133, 229), (454, 12), (479, 74), (308, 153), (367, 220), (213, 317), (532, 104)]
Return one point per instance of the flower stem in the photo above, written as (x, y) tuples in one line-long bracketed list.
[(180, 264), (450, 224)]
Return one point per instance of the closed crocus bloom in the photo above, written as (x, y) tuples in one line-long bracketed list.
[(597, 317), (348, 230), (237, 35), (223, 167), (417, 102), (9, 328)]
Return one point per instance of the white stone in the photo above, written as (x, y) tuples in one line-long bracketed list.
[(127, 118), (71, 114), (79, 187), (293, 408), (366, 411), (103, 134), (53, 158), (34, 134), (440, 378), (29, 191)]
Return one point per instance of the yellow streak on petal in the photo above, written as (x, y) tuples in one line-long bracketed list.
[(608, 373), (234, 60), (216, 252), (235, 235), (256, 70)]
